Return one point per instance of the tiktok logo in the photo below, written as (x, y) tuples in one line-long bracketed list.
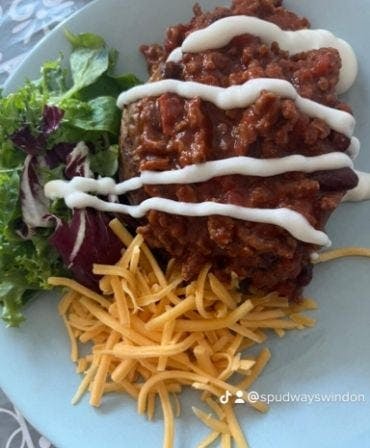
[(224, 399)]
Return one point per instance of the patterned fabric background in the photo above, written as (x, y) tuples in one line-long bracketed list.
[(14, 431), (22, 24)]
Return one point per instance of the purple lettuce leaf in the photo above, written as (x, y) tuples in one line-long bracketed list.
[(27, 142), (51, 119), (34, 204), (86, 240), (58, 154), (77, 163), (34, 143)]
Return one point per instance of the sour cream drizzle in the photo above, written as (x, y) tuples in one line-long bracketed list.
[(241, 96), (75, 191), (246, 166), (221, 32), (296, 224), (362, 191), (353, 149)]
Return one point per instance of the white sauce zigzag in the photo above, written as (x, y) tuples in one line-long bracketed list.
[(221, 32), (246, 166), (240, 96), (295, 223), (362, 191), (75, 191)]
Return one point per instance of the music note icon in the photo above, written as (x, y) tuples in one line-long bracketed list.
[(224, 399)]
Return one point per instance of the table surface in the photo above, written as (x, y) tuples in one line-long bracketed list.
[(22, 24)]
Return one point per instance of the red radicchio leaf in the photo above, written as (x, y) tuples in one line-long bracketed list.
[(58, 154), (77, 162), (51, 118), (31, 143), (34, 203), (86, 240), (27, 142)]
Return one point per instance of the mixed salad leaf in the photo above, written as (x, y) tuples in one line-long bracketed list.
[(66, 123)]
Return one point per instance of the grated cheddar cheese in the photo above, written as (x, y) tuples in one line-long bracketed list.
[(153, 335)]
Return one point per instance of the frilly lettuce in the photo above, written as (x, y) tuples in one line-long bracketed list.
[(41, 124)]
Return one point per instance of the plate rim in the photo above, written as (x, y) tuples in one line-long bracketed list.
[(50, 35)]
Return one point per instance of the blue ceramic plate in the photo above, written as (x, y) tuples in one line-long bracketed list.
[(333, 358)]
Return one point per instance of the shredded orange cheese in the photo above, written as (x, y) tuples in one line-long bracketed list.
[(341, 253), (152, 335)]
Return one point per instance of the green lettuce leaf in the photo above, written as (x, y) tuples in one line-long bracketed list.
[(11, 297), (25, 265), (54, 77), (84, 40), (87, 65), (89, 60), (99, 114), (86, 91), (105, 163)]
